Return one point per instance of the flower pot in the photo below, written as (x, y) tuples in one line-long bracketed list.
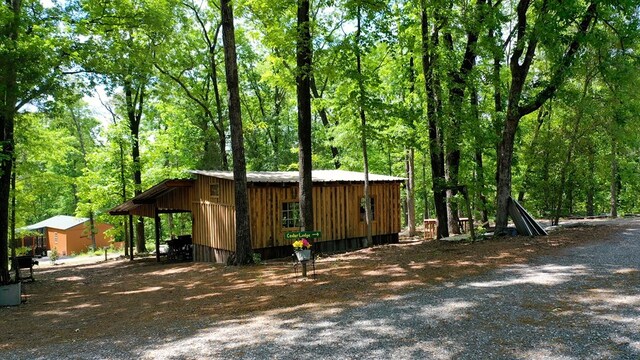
[(10, 294), (303, 255)]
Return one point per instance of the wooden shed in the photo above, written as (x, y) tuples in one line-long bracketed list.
[(273, 204)]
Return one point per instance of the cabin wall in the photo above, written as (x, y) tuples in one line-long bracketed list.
[(76, 239), (336, 215), (79, 237), (336, 209), (57, 239), (213, 218)]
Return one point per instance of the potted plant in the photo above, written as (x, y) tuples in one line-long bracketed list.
[(302, 249)]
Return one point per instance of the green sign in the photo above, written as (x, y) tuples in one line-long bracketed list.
[(297, 235)]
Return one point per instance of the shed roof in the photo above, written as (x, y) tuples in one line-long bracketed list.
[(294, 176), (61, 222), (150, 195)]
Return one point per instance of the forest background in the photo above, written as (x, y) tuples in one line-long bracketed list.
[(532, 98)]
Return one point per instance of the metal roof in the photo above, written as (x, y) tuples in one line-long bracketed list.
[(294, 176), (61, 222)]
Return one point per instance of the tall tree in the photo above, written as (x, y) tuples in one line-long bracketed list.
[(363, 125), (303, 82), (31, 59), (121, 37), (243, 254), (527, 39), (436, 142), (196, 73)]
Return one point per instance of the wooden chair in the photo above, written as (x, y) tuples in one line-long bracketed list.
[(25, 262)]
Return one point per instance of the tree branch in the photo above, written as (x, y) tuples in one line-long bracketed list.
[(561, 70)]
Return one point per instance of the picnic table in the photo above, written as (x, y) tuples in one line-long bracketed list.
[(180, 249)]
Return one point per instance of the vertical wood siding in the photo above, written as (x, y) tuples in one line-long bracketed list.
[(336, 209), (214, 219), (178, 199)]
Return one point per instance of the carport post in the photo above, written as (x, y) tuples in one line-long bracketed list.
[(131, 236), (157, 236)]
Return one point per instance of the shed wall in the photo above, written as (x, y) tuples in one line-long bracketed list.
[(336, 213), (336, 209), (214, 220)]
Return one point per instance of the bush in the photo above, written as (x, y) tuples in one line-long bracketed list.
[(54, 256), (23, 250)]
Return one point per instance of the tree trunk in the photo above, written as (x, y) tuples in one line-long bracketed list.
[(14, 263), (425, 193), (324, 118), (520, 64), (591, 187), (436, 144), (134, 114), (303, 73), (411, 191), (363, 133), (532, 150), (613, 201), (243, 254), (85, 162), (8, 101), (222, 139), (572, 137), (479, 173)]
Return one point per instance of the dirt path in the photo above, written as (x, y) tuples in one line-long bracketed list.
[(143, 309)]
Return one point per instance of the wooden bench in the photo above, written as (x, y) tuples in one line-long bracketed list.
[(431, 227), (25, 262)]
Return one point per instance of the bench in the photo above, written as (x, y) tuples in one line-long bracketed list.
[(25, 262), (431, 227)]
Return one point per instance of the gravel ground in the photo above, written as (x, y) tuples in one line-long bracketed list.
[(583, 303)]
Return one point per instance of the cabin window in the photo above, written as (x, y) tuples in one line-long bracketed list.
[(362, 209), (214, 190), (290, 215)]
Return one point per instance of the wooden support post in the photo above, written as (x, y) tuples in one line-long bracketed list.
[(304, 268), (130, 236), (157, 236)]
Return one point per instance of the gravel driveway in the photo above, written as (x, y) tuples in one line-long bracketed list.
[(581, 304)]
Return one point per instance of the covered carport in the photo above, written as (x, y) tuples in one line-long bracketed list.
[(168, 197)]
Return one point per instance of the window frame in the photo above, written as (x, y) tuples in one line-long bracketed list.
[(363, 212), (290, 215)]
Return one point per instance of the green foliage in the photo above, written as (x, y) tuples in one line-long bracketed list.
[(53, 255), (75, 158), (23, 250), (257, 258)]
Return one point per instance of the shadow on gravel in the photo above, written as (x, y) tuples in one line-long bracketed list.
[(523, 311), (401, 301)]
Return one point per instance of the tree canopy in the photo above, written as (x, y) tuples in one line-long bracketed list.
[(533, 100)]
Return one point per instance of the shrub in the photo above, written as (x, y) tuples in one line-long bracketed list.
[(23, 250), (54, 256)]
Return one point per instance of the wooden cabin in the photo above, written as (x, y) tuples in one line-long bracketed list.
[(338, 198), (66, 234)]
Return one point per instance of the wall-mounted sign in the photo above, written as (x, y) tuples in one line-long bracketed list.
[(296, 235)]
